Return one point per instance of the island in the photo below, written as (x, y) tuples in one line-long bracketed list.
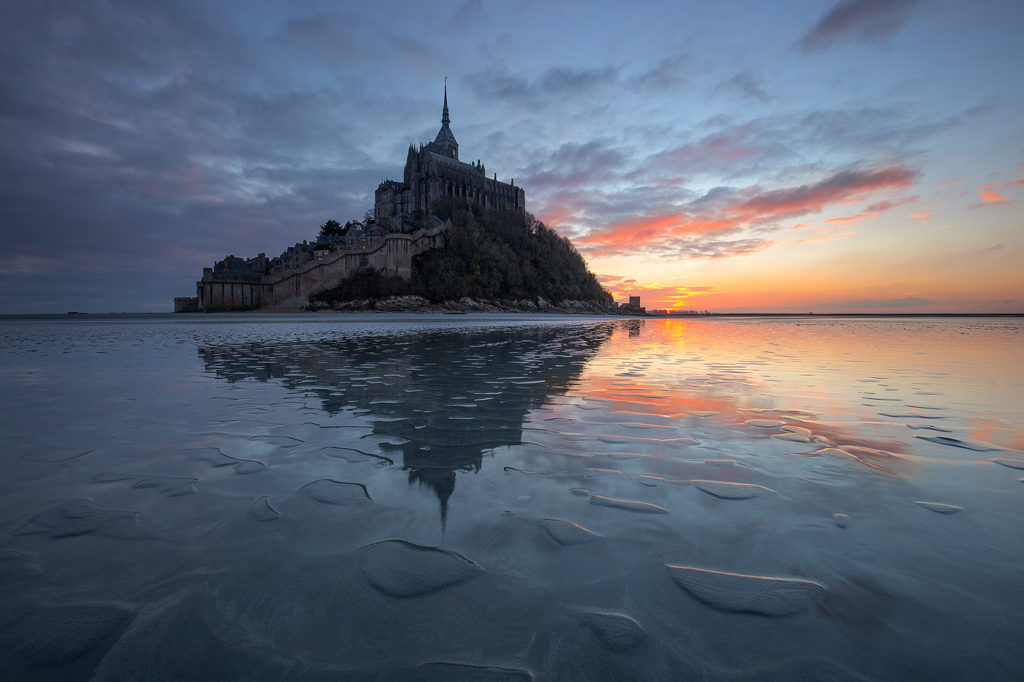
[(446, 237)]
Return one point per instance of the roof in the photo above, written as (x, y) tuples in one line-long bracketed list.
[(445, 134), (461, 165)]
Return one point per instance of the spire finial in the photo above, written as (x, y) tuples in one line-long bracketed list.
[(444, 112)]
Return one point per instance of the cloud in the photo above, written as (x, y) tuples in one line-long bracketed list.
[(715, 152), (497, 84), (864, 21), (1011, 183), (147, 144), (826, 234), (668, 73), (748, 84), (468, 12), (990, 197), (843, 186), (921, 216), (574, 165), (655, 295), (726, 222), (850, 220)]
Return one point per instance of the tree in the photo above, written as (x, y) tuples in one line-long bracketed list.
[(332, 228), (502, 256)]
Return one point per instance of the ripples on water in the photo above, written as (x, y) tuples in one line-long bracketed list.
[(495, 498)]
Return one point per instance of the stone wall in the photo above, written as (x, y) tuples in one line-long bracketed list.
[(291, 289), (186, 304)]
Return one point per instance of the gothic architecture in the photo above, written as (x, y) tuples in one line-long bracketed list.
[(403, 226), (433, 172)]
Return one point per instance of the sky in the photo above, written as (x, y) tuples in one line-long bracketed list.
[(785, 156)]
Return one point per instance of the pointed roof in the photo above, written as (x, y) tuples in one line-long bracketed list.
[(444, 112), (445, 133)]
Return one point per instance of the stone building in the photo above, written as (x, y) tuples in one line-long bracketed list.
[(432, 172), (403, 226)]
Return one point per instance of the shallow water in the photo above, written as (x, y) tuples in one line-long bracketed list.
[(489, 497)]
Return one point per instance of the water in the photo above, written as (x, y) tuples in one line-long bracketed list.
[(488, 497)]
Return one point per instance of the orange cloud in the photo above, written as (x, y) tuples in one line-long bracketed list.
[(1011, 183), (653, 296), (555, 215), (840, 188), (923, 216), (749, 208), (852, 219), (992, 197), (827, 234)]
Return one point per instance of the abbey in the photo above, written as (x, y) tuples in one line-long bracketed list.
[(403, 226), (432, 172)]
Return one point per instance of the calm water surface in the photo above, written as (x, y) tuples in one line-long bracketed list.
[(495, 498)]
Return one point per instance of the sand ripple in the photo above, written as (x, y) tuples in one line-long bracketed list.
[(731, 491), (399, 568), (629, 505), (616, 631), (736, 592), (568, 533)]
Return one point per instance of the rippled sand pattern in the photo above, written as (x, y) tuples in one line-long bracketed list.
[(511, 498)]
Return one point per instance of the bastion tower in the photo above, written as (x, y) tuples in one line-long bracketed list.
[(433, 171)]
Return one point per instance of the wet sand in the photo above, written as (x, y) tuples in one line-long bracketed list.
[(499, 497)]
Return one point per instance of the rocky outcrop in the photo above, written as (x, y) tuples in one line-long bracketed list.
[(418, 304)]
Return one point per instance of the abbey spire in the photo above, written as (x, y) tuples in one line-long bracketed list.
[(434, 173), (444, 112), (445, 142)]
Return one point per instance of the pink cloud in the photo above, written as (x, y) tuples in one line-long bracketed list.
[(749, 208), (849, 220), (992, 197)]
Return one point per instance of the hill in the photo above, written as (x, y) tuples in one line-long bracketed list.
[(502, 258)]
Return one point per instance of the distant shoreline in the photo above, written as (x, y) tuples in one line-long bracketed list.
[(556, 313)]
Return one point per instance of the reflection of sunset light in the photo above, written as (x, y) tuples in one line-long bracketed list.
[(830, 379)]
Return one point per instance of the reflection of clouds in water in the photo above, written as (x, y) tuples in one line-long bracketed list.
[(257, 502), (438, 399)]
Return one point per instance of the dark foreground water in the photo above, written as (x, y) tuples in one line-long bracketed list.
[(464, 497)]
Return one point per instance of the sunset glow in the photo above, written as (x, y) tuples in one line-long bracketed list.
[(851, 156)]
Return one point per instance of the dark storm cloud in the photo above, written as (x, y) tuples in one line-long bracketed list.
[(146, 139), (859, 20)]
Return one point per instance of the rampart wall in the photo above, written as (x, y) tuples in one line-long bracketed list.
[(290, 289)]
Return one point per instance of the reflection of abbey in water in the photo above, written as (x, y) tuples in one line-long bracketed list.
[(443, 398)]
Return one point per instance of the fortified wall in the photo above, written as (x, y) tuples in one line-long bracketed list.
[(289, 288)]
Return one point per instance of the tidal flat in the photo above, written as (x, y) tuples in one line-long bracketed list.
[(511, 497)]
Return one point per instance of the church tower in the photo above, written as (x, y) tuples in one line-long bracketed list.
[(445, 142)]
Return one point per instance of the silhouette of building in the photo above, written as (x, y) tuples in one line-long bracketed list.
[(432, 172)]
